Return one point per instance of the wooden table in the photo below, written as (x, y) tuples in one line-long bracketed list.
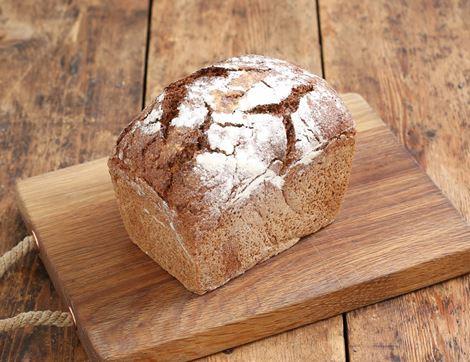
[(73, 73)]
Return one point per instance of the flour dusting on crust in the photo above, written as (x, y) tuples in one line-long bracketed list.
[(240, 155), (256, 117), (151, 124)]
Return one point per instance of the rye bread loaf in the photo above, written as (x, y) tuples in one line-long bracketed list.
[(232, 165)]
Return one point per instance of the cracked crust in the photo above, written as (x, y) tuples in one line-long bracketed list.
[(235, 163)]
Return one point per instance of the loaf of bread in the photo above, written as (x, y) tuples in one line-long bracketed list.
[(232, 165)]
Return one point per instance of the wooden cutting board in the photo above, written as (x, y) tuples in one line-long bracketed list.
[(395, 233)]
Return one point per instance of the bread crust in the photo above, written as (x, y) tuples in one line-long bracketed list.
[(191, 198)]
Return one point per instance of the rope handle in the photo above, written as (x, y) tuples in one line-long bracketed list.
[(33, 318)]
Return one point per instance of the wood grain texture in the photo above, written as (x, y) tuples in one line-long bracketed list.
[(417, 76), (61, 103), (429, 325), (129, 308), (189, 34)]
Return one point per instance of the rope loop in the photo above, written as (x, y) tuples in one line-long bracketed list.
[(18, 252), (33, 318), (36, 318)]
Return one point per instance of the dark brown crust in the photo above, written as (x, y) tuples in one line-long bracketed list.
[(288, 105), (141, 116), (197, 140), (176, 92), (162, 157), (150, 161)]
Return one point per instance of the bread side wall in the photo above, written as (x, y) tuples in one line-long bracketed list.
[(149, 225)]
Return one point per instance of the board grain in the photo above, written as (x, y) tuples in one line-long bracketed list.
[(389, 239), (417, 78)]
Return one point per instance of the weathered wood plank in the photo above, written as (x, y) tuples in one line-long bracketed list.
[(186, 35), (411, 61), (432, 324), (70, 78)]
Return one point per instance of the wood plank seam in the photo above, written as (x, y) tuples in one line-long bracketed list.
[(147, 51), (320, 38)]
